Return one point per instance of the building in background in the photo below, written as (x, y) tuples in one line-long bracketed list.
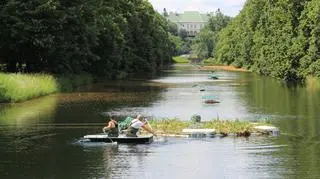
[(191, 21)]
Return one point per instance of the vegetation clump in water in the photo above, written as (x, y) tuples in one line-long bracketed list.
[(222, 127)]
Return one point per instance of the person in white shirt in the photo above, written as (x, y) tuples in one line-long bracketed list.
[(136, 124)]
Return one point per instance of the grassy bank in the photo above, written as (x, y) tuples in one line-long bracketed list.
[(175, 126), (180, 59), (223, 67), (211, 62), (21, 87)]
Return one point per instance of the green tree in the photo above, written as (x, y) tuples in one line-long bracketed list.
[(183, 34), (96, 36), (276, 38), (205, 43)]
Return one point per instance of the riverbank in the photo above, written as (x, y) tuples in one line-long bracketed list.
[(222, 127), (180, 59), (209, 65), (223, 67), (16, 87)]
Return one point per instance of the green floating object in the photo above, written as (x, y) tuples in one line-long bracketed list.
[(196, 118), (212, 76), (208, 97)]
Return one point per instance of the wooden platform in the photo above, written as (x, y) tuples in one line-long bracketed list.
[(121, 139), (268, 129), (199, 132)]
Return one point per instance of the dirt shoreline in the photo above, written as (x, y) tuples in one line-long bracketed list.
[(223, 67)]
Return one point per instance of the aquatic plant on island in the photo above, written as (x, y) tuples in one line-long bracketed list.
[(223, 127)]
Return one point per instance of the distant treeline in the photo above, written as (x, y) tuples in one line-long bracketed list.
[(279, 38), (101, 37)]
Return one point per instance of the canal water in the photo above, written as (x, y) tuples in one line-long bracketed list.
[(41, 138)]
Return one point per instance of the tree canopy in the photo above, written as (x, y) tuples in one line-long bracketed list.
[(204, 45), (100, 37), (279, 38)]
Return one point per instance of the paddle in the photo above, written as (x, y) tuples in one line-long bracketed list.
[(148, 128)]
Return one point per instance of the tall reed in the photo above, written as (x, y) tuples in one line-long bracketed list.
[(21, 87)]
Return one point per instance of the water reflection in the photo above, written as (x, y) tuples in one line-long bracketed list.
[(19, 124), (189, 158), (30, 112)]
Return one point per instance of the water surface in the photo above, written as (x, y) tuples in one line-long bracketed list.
[(40, 138)]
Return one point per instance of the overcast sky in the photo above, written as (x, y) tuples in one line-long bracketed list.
[(228, 7)]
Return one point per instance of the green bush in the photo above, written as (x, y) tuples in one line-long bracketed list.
[(180, 59), (211, 62), (67, 83)]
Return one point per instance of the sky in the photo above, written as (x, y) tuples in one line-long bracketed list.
[(227, 7)]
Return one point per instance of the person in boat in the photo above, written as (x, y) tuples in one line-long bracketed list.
[(112, 128), (136, 124)]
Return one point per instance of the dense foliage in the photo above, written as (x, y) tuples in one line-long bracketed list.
[(179, 39), (102, 37), (204, 44), (279, 38)]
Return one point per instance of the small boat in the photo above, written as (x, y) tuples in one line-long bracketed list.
[(145, 139)]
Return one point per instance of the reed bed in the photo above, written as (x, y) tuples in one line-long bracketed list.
[(169, 126), (21, 87)]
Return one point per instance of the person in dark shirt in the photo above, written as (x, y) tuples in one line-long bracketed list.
[(112, 128)]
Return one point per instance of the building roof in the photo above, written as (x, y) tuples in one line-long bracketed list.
[(188, 16)]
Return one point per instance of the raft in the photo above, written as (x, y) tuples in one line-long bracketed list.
[(145, 139)]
